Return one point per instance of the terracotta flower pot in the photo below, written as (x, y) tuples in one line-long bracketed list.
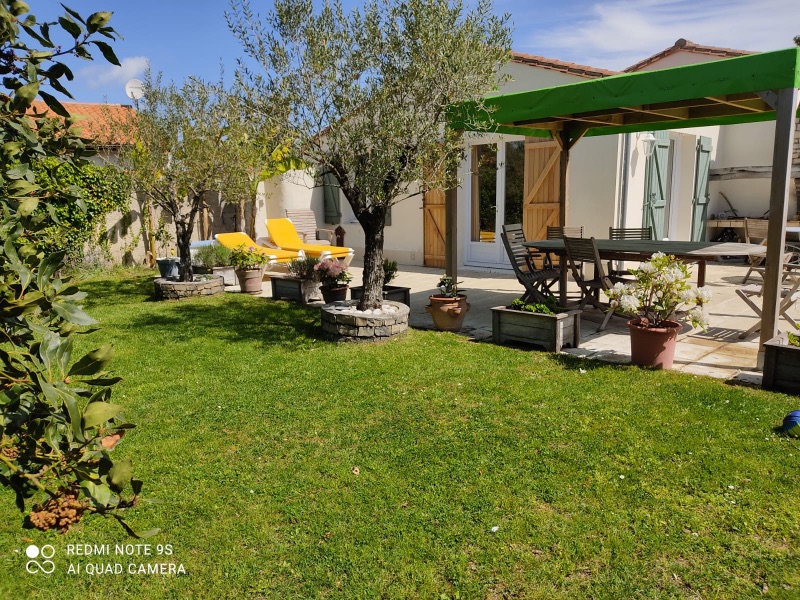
[(448, 313), (653, 346), (249, 280), (334, 294)]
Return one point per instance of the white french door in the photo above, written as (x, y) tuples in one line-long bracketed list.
[(494, 191)]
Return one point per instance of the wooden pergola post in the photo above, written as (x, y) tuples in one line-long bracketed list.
[(785, 105), (451, 233)]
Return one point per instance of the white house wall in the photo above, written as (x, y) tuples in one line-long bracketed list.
[(592, 184)]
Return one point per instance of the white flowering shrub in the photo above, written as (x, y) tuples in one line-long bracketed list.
[(661, 293)]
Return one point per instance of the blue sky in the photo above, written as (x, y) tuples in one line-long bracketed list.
[(190, 37)]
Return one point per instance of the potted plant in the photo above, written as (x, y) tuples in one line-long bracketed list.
[(448, 308), (167, 265), (301, 283), (541, 324), (217, 259), (659, 292), (395, 293), (782, 363), (248, 263), (333, 279)]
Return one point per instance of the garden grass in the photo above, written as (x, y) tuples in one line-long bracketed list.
[(278, 465)]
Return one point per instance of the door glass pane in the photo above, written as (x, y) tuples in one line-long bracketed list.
[(515, 181), (484, 192)]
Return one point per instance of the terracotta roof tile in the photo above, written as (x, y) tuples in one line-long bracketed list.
[(560, 65), (683, 45), (91, 119)]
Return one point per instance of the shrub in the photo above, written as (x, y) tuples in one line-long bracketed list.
[(213, 255)]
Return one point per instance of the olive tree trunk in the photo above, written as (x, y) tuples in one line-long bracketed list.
[(373, 223)]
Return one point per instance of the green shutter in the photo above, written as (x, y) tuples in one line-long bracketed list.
[(656, 182), (388, 220), (330, 188), (701, 195)]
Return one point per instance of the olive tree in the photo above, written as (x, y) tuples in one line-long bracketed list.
[(178, 151), (368, 92), (57, 424)]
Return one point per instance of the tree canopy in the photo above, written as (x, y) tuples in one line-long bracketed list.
[(366, 93)]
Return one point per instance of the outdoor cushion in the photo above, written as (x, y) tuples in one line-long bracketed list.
[(236, 239), (284, 235)]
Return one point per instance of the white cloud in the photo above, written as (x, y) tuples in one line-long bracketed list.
[(100, 76), (614, 34)]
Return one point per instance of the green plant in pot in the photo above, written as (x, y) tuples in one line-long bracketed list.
[(217, 259), (394, 293), (448, 308), (167, 265), (660, 295), (333, 279), (304, 270), (249, 266)]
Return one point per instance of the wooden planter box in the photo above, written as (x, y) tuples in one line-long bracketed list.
[(781, 366), (395, 293), (552, 332), (298, 290)]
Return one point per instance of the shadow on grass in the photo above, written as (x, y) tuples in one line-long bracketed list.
[(99, 290), (226, 317), (270, 322)]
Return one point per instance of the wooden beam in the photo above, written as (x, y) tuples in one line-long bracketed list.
[(564, 142), (785, 109), (760, 172), (770, 97), (752, 105), (451, 233)]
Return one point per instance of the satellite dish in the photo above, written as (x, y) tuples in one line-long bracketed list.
[(134, 89)]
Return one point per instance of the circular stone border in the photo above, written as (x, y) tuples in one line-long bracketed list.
[(343, 322), (203, 285)]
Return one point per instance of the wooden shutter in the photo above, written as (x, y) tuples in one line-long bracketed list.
[(333, 209), (433, 220), (656, 181), (701, 195), (540, 202)]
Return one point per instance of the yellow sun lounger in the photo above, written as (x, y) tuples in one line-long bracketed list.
[(284, 235), (236, 239)]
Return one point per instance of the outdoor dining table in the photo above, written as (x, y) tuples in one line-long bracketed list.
[(633, 250)]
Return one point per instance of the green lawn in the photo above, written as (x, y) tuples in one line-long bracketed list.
[(282, 466)]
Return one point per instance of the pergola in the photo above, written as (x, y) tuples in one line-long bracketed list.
[(745, 89)]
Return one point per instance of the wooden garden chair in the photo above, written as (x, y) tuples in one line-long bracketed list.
[(755, 232), (790, 292), (537, 282), (580, 251), (626, 233)]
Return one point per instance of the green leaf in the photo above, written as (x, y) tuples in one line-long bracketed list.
[(98, 413), (25, 95), (98, 20), (54, 104), (108, 53), (72, 313), (100, 494), (74, 14), (93, 362), (70, 26), (74, 415), (120, 474), (48, 350), (27, 206)]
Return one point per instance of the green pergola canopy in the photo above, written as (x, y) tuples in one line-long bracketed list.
[(745, 89), (722, 92)]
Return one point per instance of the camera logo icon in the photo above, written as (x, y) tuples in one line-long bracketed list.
[(34, 566)]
